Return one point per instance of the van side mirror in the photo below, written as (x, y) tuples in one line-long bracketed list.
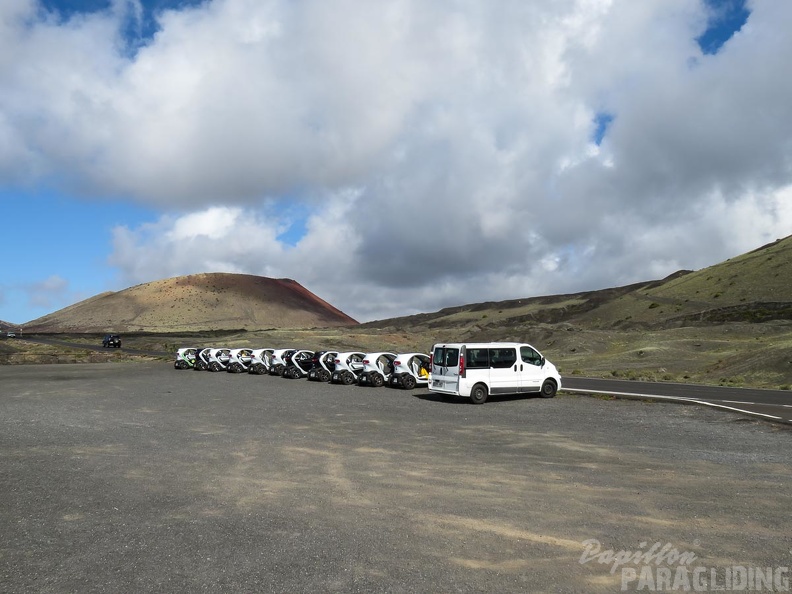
[(542, 362)]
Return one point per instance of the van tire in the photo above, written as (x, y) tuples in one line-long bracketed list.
[(478, 395), (548, 389)]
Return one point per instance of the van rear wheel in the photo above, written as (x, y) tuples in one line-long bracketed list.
[(478, 395), (549, 389)]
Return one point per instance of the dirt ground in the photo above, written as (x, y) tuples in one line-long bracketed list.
[(138, 477)]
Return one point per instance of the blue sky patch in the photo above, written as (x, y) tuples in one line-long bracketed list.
[(296, 231), (601, 123), (725, 19), (136, 33)]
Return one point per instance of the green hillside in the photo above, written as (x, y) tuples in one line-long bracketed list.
[(753, 287)]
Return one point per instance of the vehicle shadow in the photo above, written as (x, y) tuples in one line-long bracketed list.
[(450, 399)]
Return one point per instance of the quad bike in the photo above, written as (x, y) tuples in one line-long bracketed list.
[(280, 361), (260, 361), (202, 359), (219, 359), (300, 363), (348, 367), (111, 341), (185, 358), (410, 370), (239, 361), (322, 366), (377, 369)]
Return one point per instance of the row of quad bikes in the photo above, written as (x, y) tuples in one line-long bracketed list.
[(407, 370)]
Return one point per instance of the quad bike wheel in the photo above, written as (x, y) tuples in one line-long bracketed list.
[(258, 369), (214, 366), (347, 378), (408, 381), (376, 379), (324, 375)]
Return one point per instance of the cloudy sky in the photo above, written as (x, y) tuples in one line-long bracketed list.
[(393, 157)]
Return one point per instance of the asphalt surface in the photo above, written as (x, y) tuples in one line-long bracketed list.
[(771, 405), (135, 477)]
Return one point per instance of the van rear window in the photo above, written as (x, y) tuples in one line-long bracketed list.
[(446, 357)]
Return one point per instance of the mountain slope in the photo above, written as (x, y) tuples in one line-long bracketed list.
[(212, 301), (753, 287)]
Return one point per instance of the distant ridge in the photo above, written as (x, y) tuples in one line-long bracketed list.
[(753, 287), (197, 302)]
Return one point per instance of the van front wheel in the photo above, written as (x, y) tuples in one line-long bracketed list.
[(478, 395), (549, 389)]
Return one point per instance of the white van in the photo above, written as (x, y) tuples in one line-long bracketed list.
[(479, 369)]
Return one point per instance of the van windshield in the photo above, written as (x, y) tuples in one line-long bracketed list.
[(446, 357)]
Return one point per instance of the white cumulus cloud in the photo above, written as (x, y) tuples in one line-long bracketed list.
[(444, 152)]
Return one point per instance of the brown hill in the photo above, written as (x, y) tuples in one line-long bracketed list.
[(197, 302)]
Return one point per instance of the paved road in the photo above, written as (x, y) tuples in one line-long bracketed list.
[(773, 405), (94, 347), (135, 477)]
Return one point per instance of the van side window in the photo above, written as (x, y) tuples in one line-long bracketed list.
[(528, 355), (477, 359), (502, 358)]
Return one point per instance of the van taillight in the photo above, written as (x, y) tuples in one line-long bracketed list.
[(431, 359), (461, 364)]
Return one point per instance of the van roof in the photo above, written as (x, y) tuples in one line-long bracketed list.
[(480, 345)]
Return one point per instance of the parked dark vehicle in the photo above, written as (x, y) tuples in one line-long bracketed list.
[(111, 341), (322, 366), (299, 364)]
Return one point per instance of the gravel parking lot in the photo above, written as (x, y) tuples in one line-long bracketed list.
[(137, 477)]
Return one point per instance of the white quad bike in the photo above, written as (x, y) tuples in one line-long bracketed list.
[(260, 360), (299, 364), (239, 361), (322, 366), (185, 358), (279, 360), (377, 369), (410, 370), (202, 359), (348, 367), (218, 359)]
